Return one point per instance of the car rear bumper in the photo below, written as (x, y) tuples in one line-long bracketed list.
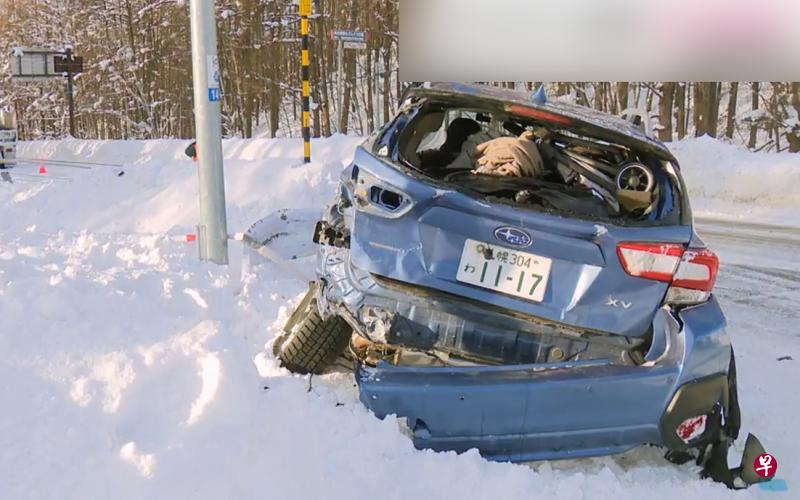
[(524, 412), (532, 412)]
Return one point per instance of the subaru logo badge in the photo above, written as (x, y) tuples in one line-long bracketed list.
[(513, 236)]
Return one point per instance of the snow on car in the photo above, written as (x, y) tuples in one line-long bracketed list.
[(524, 278)]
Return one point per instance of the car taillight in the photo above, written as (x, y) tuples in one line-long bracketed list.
[(690, 272), (374, 196)]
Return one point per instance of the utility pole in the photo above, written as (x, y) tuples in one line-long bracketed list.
[(305, 11), (212, 231)]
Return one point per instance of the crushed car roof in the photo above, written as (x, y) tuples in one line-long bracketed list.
[(612, 128)]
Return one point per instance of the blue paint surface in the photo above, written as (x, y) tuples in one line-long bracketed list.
[(774, 485)]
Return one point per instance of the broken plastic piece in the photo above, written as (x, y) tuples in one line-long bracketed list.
[(716, 466), (540, 96)]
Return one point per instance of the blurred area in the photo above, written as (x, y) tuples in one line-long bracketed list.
[(468, 40)]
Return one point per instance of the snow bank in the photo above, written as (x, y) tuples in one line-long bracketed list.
[(729, 182), (159, 193), (131, 370), (157, 189)]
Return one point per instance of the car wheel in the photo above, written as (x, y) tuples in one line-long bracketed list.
[(314, 343)]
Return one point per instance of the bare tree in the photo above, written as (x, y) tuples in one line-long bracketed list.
[(665, 111), (753, 127), (730, 124)]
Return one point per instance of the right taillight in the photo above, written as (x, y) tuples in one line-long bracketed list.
[(690, 272), (695, 277)]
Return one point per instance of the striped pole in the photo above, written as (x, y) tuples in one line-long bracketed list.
[(305, 11)]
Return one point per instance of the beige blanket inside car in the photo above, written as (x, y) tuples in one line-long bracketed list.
[(510, 156)]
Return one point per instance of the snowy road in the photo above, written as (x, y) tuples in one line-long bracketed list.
[(759, 289), (131, 370)]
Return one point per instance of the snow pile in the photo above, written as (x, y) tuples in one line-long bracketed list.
[(729, 182), (131, 370), (157, 191)]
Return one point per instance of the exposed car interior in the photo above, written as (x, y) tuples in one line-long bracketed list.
[(528, 158)]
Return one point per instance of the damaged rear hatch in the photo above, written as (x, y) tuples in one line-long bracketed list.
[(543, 260)]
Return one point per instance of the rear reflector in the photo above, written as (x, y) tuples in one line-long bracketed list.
[(688, 271), (691, 428)]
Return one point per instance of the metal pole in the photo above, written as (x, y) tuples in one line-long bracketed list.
[(340, 65), (212, 231), (305, 11), (70, 92), (71, 101)]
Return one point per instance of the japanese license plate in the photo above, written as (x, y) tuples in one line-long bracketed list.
[(505, 270)]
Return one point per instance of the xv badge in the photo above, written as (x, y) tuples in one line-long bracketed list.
[(611, 301)]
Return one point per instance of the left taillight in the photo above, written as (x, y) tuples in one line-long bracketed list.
[(374, 196), (691, 272)]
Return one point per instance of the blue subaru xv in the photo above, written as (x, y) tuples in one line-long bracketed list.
[(548, 300)]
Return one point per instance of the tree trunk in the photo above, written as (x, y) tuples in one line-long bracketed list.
[(713, 107), (599, 96), (344, 114), (387, 80), (751, 143), (698, 109), (680, 105), (622, 96), (793, 135), (706, 109), (370, 97), (733, 95), (665, 111)]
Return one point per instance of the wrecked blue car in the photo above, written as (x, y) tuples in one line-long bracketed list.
[(522, 277)]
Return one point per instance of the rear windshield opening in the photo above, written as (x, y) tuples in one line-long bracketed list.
[(518, 158)]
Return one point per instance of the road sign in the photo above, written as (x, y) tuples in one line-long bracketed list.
[(305, 7), (33, 64), (355, 45), (63, 65), (213, 78), (350, 36), (346, 39)]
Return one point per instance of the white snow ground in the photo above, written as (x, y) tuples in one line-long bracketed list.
[(128, 369)]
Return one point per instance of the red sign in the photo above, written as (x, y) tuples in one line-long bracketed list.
[(765, 465)]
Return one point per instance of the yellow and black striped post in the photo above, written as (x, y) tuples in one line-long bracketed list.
[(305, 11)]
